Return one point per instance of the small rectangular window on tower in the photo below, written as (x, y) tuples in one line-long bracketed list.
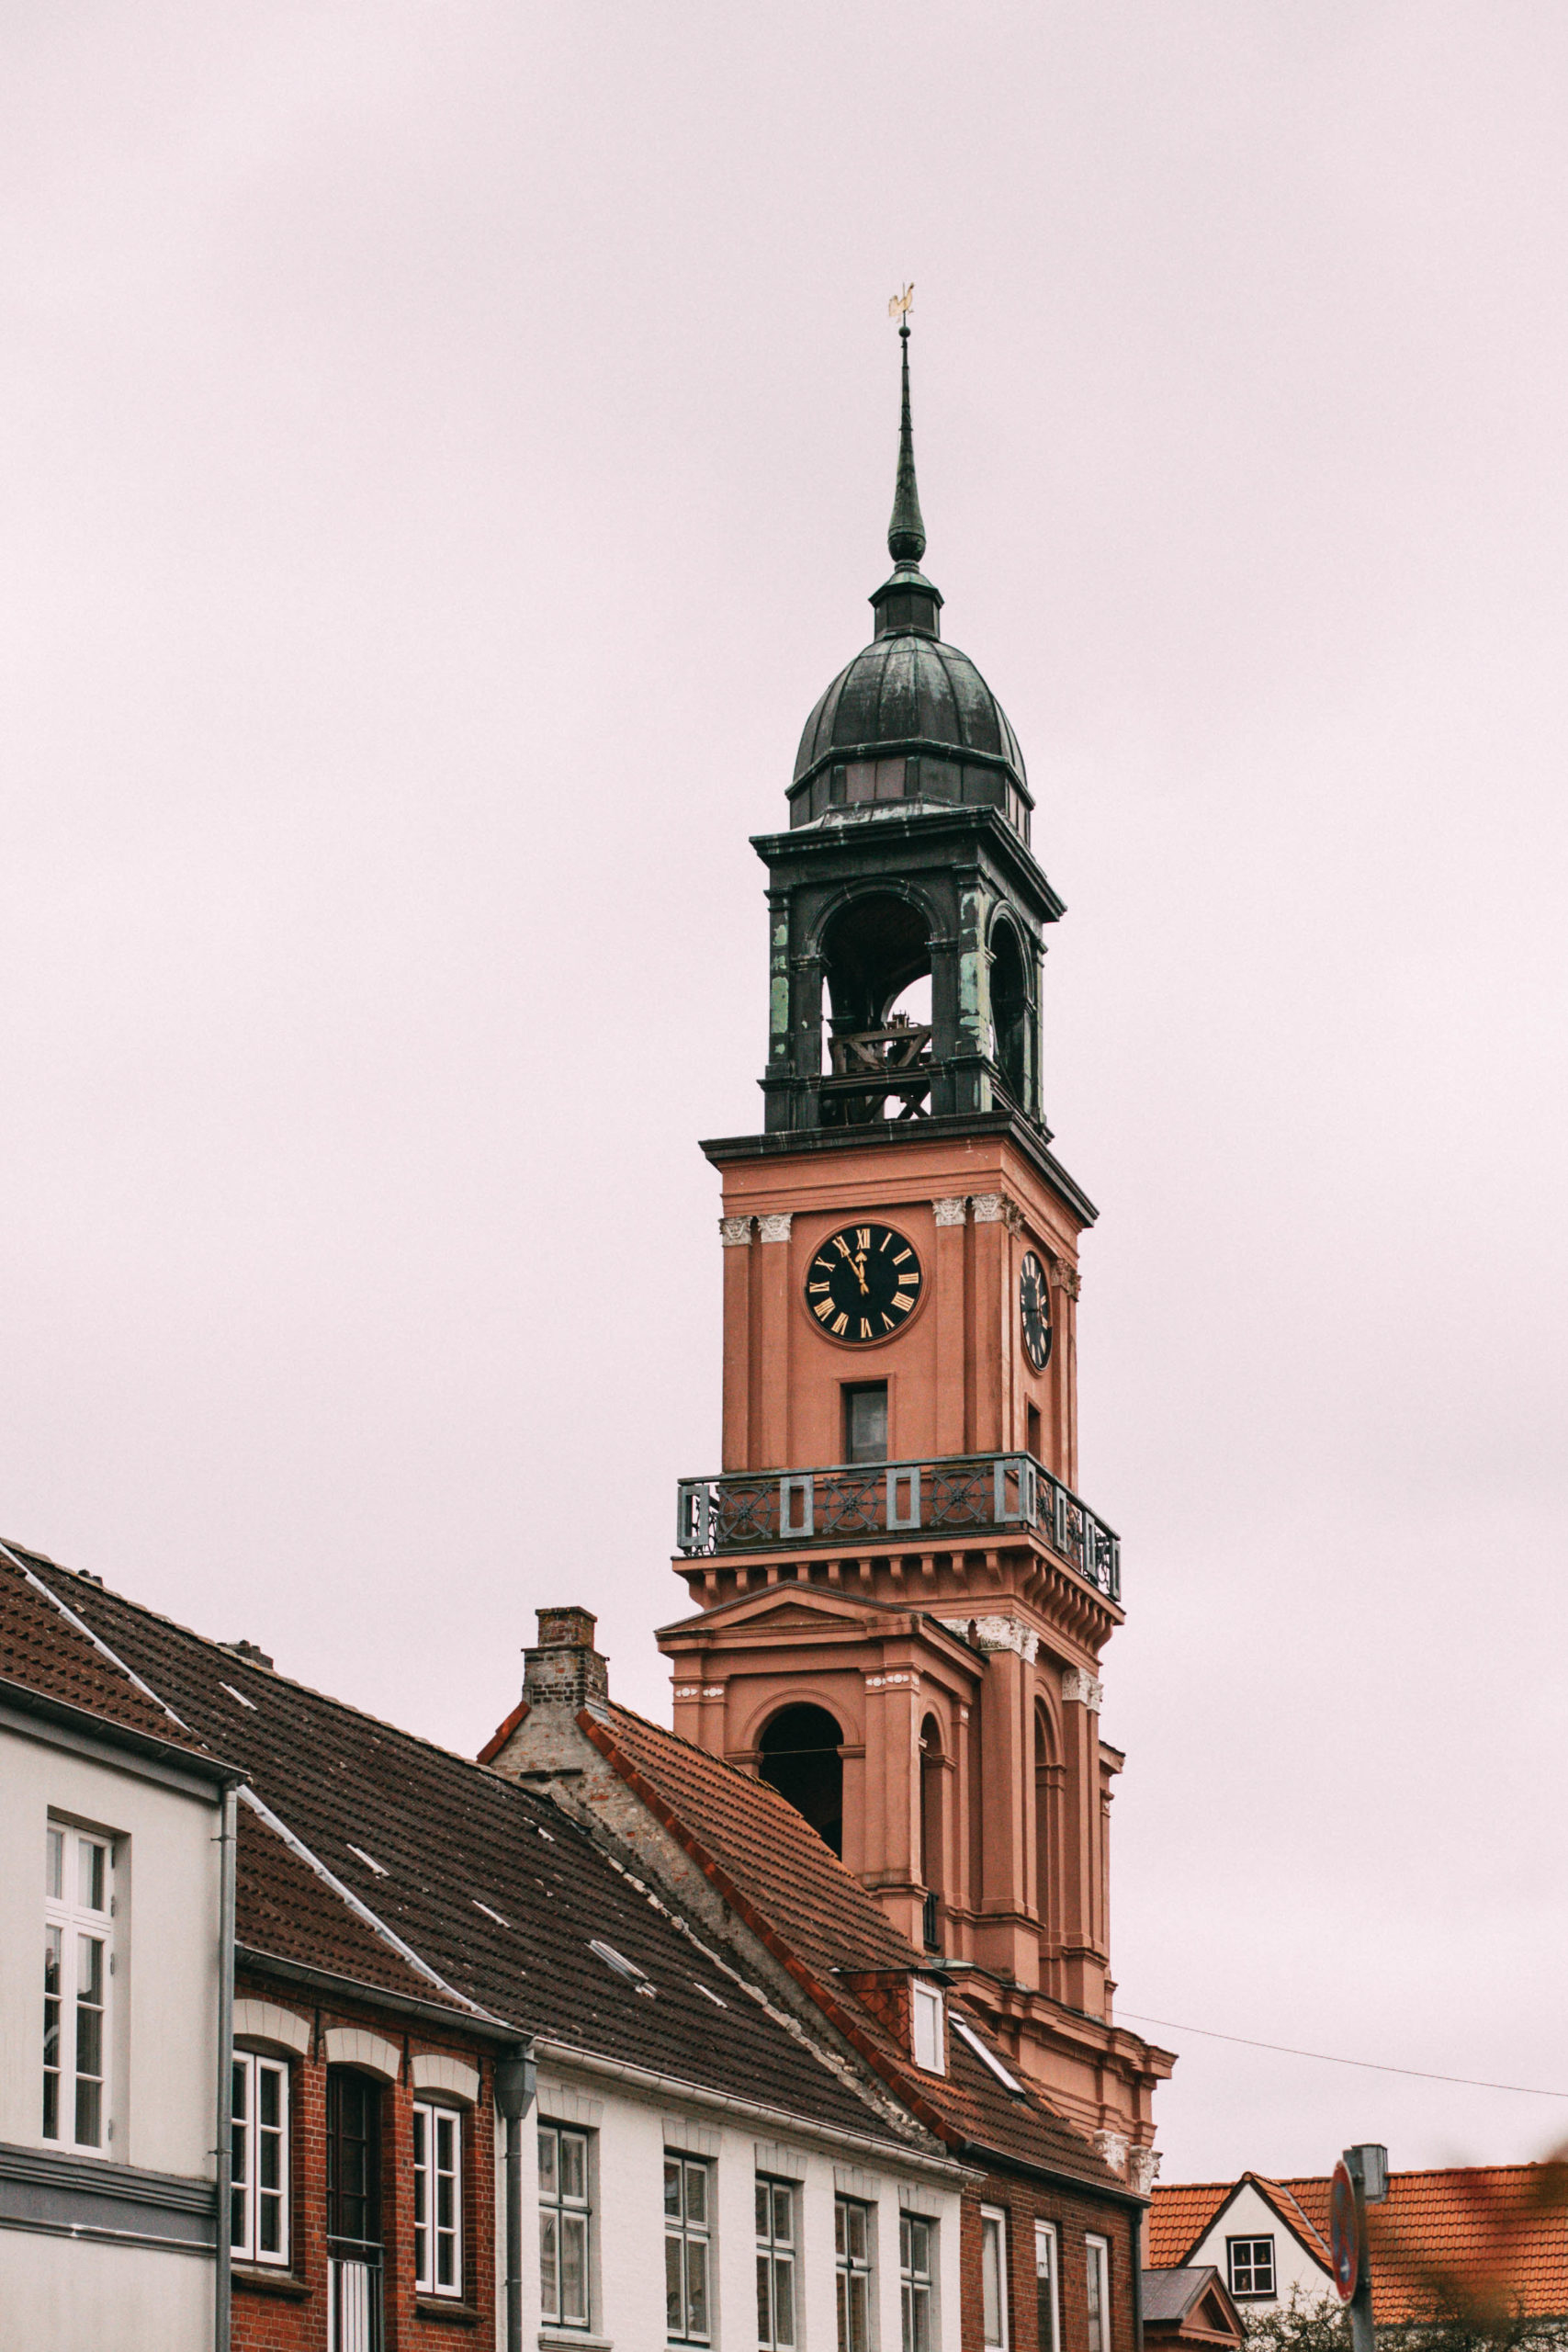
[(1032, 1431), (865, 1421)]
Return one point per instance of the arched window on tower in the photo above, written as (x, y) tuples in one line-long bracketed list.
[(878, 1053), (933, 1872), (799, 1757), (1009, 1012)]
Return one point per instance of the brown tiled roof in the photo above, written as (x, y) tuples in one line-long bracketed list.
[(488, 1883), (44, 1651), (1494, 2232), (288, 1911), (792, 1890)]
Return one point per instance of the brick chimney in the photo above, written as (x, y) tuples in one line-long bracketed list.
[(563, 1669)]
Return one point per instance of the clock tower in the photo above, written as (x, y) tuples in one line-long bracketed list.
[(901, 1598)]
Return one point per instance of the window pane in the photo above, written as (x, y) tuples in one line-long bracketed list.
[(549, 2283), (783, 2204), (90, 1875), (762, 2208), (270, 2228), (89, 2114), (574, 2265), (672, 2190), (675, 2318), (547, 2164), (783, 2302), (54, 1865), (697, 2195), (573, 2166), (990, 2281), (860, 2312), (697, 2287), (764, 2301)]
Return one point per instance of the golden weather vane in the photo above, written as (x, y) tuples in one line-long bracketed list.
[(900, 305)]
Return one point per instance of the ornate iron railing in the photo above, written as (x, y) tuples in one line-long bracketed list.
[(957, 1495)]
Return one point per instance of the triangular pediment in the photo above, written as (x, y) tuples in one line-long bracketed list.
[(782, 1604)]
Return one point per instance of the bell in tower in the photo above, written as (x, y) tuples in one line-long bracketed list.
[(906, 861), (900, 1596)]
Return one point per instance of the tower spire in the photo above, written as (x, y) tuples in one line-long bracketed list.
[(906, 529)]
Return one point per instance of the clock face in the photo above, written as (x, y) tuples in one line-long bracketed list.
[(1034, 1311), (863, 1283)]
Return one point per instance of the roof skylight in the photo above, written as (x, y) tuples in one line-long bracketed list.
[(962, 2026), (623, 1967)]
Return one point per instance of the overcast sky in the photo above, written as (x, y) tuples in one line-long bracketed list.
[(448, 446)]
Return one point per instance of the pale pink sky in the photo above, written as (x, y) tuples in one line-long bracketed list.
[(448, 449)]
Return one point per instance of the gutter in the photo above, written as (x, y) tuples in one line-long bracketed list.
[(952, 2174), (478, 2023), (223, 2281), (103, 1729), (994, 2160)]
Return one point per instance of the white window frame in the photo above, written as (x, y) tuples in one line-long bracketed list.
[(1097, 2293), (440, 2129), (779, 2255), (913, 2280), (928, 2020), (1253, 2295), (849, 2266), (994, 2230), (559, 2207), (247, 2188), (1048, 2275), (681, 2231), (70, 1923)]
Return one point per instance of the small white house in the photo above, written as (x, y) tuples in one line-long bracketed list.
[(110, 1935), (1257, 2233)]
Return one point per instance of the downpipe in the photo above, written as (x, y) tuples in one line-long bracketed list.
[(223, 2286), (514, 2087)]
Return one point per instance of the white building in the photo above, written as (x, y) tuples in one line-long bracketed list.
[(111, 1872)]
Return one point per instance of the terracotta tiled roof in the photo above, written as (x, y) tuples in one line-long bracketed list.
[(791, 1887), (1488, 2231), (487, 1883), (44, 1651)]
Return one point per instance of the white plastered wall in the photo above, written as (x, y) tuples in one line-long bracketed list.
[(631, 2136), (1251, 2217)]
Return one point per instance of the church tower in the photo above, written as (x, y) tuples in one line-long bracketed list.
[(901, 1598)]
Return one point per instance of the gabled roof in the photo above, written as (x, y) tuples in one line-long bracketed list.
[(1191, 2304), (816, 1916), (48, 1653), (1488, 2230), (461, 1873)]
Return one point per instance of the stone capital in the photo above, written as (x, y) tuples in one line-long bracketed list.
[(996, 1632), (733, 1232), (1079, 1687), (1111, 2147), (1068, 1279), (1142, 2169), (951, 1212), (989, 1208), (777, 1227)]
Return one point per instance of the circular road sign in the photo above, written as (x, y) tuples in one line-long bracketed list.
[(1344, 2235)]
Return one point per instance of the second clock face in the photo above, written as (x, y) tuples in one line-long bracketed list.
[(1034, 1311), (863, 1283)]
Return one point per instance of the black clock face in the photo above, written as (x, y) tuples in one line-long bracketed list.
[(1034, 1311), (863, 1283)]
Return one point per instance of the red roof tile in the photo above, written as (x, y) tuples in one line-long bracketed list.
[(45, 1649)]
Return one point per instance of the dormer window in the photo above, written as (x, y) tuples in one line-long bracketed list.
[(930, 2040)]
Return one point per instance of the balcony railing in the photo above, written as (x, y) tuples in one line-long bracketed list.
[(970, 1494)]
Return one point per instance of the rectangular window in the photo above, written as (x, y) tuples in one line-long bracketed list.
[(437, 2199), (77, 1964), (994, 2279), (258, 2193), (1251, 2266), (929, 2052), (917, 2288), (775, 2265), (851, 2265), (1046, 2268), (565, 2220), (1097, 2274), (688, 2250), (865, 1421)]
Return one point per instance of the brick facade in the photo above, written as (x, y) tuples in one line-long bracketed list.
[(1074, 2218), (286, 2309)]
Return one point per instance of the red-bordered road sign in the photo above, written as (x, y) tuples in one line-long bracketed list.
[(1344, 2233)]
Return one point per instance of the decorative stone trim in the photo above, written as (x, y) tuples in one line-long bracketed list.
[(787, 2164), (951, 1212), (915, 2197), (890, 1681), (1068, 1279), (996, 1633), (433, 2070), (713, 1690), (688, 1690), (1111, 2147), (1079, 1688), (1142, 2169), (989, 1208), (350, 2045), (865, 2187), (561, 2106), (690, 2139), (265, 2021), (777, 1228), (735, 1232)]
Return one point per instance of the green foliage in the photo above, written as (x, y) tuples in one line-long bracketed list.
[(1323, 2325)]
